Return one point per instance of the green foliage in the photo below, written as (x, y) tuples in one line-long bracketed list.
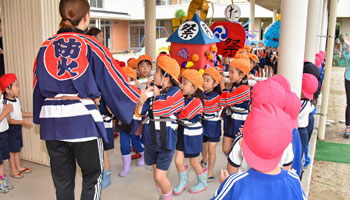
[(179, 14)]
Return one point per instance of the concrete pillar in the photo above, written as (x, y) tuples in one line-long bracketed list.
[(328, 68), (257, 29), (274, 15), (150, 28), (251, 15), (292, 41), (313, 21), (323, 31)]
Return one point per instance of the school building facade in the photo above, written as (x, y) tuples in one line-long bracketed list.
[(122, 22)]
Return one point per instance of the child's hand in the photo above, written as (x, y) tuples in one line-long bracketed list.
[(7, 108), (223, 175), (222, 82), (136, 84), (28, 123), (143, 97), (149, 81), (156, 91)]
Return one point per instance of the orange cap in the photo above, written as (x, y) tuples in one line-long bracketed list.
[(194, 77), (132, 62), (241, 51), (144, 57), (247, 47), (170, 66), (130, 72), (241, 62), (253, 57), (213, 72)]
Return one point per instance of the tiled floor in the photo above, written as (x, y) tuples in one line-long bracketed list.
[(138, 185)]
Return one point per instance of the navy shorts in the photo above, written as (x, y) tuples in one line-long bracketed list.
[(4, 147), (162, 158), (210, 139), (232, 128), (15, 138), (110, 136)]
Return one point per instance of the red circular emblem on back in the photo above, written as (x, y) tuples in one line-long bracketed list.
[(65, 57)]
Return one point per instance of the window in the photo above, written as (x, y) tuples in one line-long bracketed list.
[(106, 28), (137, 32), (96, 3)]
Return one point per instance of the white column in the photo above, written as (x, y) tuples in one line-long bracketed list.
[(328, 68), (323, 31), (313, 22), (292, 41), (274, 17), (150, 28), (257, 27), (251, 15)]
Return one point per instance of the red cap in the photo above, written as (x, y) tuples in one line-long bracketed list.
[(309, 85), (266, 134), (293, 107), (282, 81), (6, 80), (269, 91)]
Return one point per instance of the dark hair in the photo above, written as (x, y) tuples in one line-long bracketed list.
[(142, 61), (93, 31), (244, 79), (172, 80), (199, 94), (72, 12), (217, 89)]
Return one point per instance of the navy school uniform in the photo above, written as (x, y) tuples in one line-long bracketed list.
[(211, 117), (127, 134), (15, 130), (190, 138), (236, 102), (108, 123), (92, 71), (256, 185), (4, 144), (160, 130)]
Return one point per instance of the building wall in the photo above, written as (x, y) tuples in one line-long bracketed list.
[(120, 36), (345, 26), (22, 40)]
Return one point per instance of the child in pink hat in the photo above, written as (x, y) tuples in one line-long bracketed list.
[(309, 87), (266, 135)]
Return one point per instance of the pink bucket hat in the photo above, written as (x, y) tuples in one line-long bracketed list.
[(293, 108), (282, 81), (309, 85), (266, 134), (268, 91)]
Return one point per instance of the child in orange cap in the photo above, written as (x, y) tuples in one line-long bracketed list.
[(235, 100), (5, 110), (144, 66), (10, 89), (189, 135), (132, 62), (127, 134), (160, 130), (211, 118), (267, 133)]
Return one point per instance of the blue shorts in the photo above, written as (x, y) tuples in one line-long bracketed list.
[(210, 139), (110, 136), (15, 138), (162, 158), (4, 147), (232, 128), (211, 129)]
